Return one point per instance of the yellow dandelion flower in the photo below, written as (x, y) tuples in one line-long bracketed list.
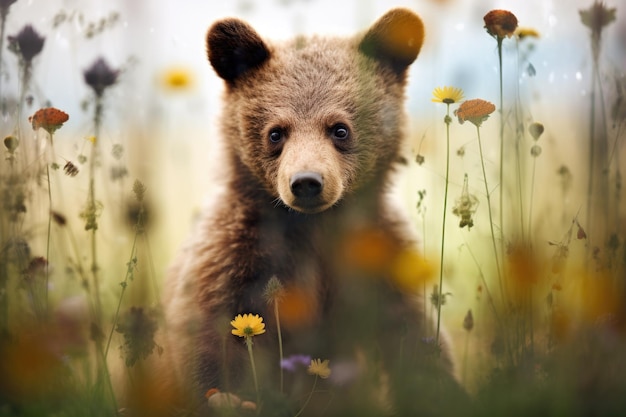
[(447, 95), (475, 111), (248, 325), (177, 79), (320, 368), (523, 33)]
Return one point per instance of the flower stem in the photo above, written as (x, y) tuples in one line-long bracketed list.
[(501, 157), (530, 206), (447, 121), (308, 398), (493, 235), (280, 344), (254, 377), (48, 237)]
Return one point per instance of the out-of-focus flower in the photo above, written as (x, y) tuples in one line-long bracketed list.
[(319, 368), (138, 329), (500, 23), (99, 76), (49, 119), (437, 301), (27, 43), (247, 325), (536, 130), (523, 33), (465, 206), (4, 7), (70, 169), (290, 363), (447, 95), (177, 79), (11, 143), (409, 271), (274, 290), (420, 159), (535, 150), (468, 321), (475, 111), (597, 17)]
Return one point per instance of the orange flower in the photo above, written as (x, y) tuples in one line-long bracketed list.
[(49, 119), (500, 23), (475, 111)]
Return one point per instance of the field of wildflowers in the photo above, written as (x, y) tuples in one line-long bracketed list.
[(516, 195)]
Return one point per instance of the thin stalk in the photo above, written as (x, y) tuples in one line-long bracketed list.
[(3, 21), (92, 206), (501, 150), (254, 376), (308, 398), (49, 223), (48, 237), (530, 207), (124, 284), (493, 234), (447, 120), (280, 343)]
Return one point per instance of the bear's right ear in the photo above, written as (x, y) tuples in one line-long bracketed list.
[(395, 39), (234, 48)]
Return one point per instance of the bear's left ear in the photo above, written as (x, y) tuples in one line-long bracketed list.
[(235, 48), (395, 39)]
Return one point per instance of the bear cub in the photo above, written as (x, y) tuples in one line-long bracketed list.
[(311, 131)]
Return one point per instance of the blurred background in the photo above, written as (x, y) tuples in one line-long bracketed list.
[(159, 126)]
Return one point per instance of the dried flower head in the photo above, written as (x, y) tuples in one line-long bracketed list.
[(597, 17), (447, 95), (434, 297), (247, 325), (70, 169), (138, 329), (500, 23), (419, 159), (99, 76), (49, 119), (11, 143), (536, 130), (535, 151), (468, 321), (475, 111), (319, 368), (465, 206), (274, 290), (139, 190), (27, 43)]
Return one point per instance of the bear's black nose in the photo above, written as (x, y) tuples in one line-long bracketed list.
[(306, 184)]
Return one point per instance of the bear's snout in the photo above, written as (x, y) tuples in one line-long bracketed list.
[(306, 185)]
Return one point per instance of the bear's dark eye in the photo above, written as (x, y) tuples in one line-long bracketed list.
[(340, 131), (276, 135)]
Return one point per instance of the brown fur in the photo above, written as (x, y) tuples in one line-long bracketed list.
[(305, 91)]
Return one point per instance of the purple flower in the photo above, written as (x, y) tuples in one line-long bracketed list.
[(4, 6), (100, 76), (27, 43), (290, 363)]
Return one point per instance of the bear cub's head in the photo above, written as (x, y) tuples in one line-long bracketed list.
[(315, 120)]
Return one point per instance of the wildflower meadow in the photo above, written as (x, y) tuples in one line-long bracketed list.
[(511, 178)]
